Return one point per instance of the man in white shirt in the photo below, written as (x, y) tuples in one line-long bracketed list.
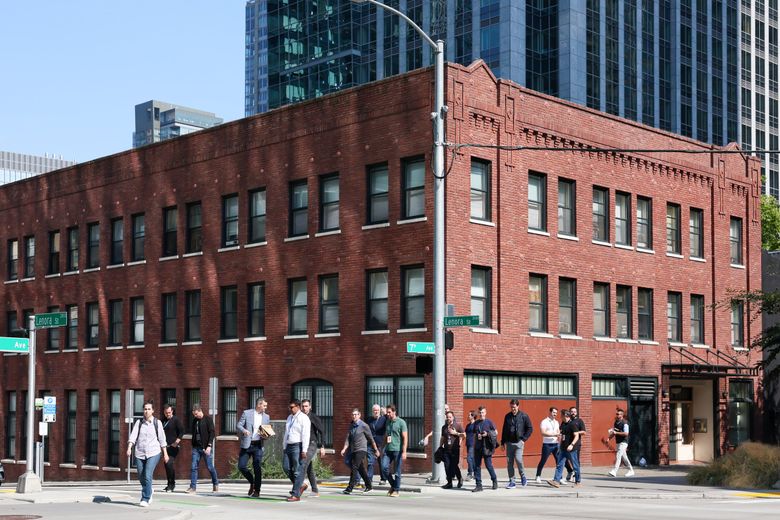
[(551, 434), (297, 434)]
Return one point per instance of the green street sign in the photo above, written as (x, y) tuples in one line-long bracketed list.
[(419, 347), (51, 320), (461, 321), (16, 345)]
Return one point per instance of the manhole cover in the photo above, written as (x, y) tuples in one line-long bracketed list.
[(19, 517)]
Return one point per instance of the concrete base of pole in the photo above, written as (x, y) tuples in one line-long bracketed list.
[(28, 483), (432, 480)]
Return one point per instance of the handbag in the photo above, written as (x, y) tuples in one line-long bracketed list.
[(266, 431), (438, 455)]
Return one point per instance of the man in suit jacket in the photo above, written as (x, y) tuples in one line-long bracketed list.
[(252, 445)]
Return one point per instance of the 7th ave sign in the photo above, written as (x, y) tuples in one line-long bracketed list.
[(15, 345)]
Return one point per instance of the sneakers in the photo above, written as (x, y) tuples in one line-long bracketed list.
[(190, 491), (630, 473), (394, 493), (523, 481), (367, 489), (166, 489), (215, 488), (347, 491), (612, 473), (554, 483), (293, 499), (448, 485), (477, 489), (511, 485), (577, 484), (538, 480), (304, 487), (460, 484), (256, 493), (151, 497), (143, 503), (469, 477), (570, 477), (495, 484), (382, 482), (314, 495)]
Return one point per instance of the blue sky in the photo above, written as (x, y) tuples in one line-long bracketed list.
[(73, 70)]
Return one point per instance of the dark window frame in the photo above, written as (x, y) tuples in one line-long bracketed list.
[(375, 198), (567, 207), (170, 226), (55, 244), (481, 194), (674, 323), (645, 314), (257, 211), (407, 300), (696, 233), (572, 306), (115, 323), (538, 205), (329, 303), (230, 215), (600, 210), (644, 224), (194, 239), (735, 241), (92, 311), (409, 190), (292, 284), (117, 241), (697, 319), (673, 232), (371, 302), (298, 208), (325, 206), (255, 313), (228, 312), (486, 300), (73, 249), (13, 259), (606, 310), (135, 320), (138, 221), (193, 313), (169, 317), (623, 223), (626, 309)]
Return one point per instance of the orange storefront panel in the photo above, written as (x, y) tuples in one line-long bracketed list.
[(603, 418)]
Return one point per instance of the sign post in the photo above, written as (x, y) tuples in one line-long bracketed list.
[(213, 389), (129, 401), (29, 482)]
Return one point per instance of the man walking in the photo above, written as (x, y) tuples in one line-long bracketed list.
[(315, 445), (620, 432), (570, 437), (484, 445), (470, 444), (575, 417), (551, 432), (357, 442), (202, 442), (451, 435), (174, 430), (251, 445), (148, 439), (517, 428), (297, 434), (377, 425), (396, 442)]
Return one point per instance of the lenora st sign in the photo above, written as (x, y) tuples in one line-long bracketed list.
[(461, 321), (51, 320)]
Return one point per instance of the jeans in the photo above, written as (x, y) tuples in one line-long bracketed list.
[(372, 459), (170, 467), (470, 459), (311, 454), (514, 454), (547, 450), (621, 456), (570, 456), (256, 452), (197, 454), (358, 468), (392, 457), (145, 469), (478, 457), (451, 468), (294, 467)]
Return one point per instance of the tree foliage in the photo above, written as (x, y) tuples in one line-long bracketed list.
[(770, 223)]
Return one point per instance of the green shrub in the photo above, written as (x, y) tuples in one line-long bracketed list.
[(272, 469), (751, 466)]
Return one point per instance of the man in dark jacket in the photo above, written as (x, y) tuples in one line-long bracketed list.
[(202, 442), (174, 430), (357, 442), (517, 428), (315, 445), (377, 425), (484, 446)]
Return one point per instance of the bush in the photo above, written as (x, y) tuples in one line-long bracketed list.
[(751, 466), (272, 469)]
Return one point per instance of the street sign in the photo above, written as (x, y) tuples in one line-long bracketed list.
[(17, 345), (51, 320), (39, 403), (461, 321), (419, 347), (49, 409)]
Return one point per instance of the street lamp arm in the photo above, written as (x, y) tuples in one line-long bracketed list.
[(402, 15)]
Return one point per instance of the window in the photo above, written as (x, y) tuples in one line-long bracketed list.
[(697, 319), (408, 394), (377, 194), (740, 411), (673, 229), (73, 249), (10, 426), (480, 190), (72, 330), (139, 237), (137, 310), (256, 310), (329, 203), (170, 231), (329, 303), (645, 312), (168, 396), (115, 320), (537, 303), (644, 223), (11, 324), (53, 340), (13, 259), (93, 246), (413, 202), (93, 330), (624, 311), (192, 325), (697, 233), (117, 241), (192, 398), (230, 221), (29, 257), (673, 321), (69, 451), (735, 240), (376, 308), (567, 306), (623, 218), (320, 393), (115, 425), (194, 228), (515, 385), (256, 216), (737, 324), (54, 252), (93, 428), (169, 318), (537, 202), (567, 209), (601, 325), (229, 312), (229, 409), (298, 306), (254, 393), (413, 297), (480, 294), (600, 214), (299, 208)]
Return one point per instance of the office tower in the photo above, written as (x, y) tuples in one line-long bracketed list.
[(18, 166), (157, 121)]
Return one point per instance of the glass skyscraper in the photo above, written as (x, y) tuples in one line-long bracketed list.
[(706, 69)]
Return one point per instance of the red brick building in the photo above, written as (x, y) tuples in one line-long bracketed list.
[(235, 253)]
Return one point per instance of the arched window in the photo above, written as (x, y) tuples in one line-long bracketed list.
[(320, 393)]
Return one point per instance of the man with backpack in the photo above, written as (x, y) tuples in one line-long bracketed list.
[(147, 438)]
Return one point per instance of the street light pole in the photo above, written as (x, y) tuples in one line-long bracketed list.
[(29, 482), (438, 115)]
